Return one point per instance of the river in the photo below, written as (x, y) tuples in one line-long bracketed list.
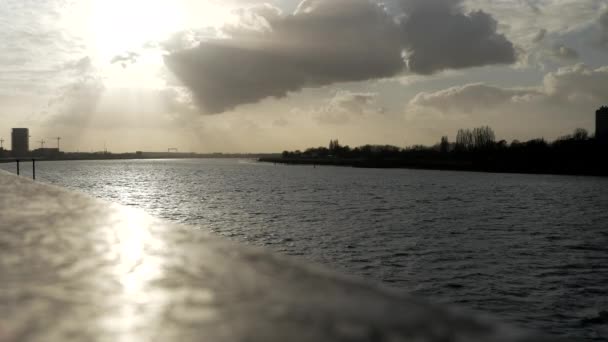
[(530, 249)]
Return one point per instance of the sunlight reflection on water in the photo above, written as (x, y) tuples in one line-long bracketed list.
[(136, 268), (530, 248)]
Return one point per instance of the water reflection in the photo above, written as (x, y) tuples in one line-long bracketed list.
[(483, 241), (138, 263)]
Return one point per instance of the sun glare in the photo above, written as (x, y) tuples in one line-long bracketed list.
[(119, 26)]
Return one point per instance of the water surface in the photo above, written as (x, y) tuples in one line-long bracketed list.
[(530, 249)]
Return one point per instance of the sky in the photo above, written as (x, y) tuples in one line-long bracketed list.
[(267, 76)]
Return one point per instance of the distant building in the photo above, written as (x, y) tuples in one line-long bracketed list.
[(20, 142), (46, 152), (601, 124)]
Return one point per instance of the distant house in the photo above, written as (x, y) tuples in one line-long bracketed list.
[(601, 124)]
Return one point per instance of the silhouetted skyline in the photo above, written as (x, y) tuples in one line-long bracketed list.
[(475, 149)]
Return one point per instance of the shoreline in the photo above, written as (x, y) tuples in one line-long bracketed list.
[(126, 157), (435, 165)]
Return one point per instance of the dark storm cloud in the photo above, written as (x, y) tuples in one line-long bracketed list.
[(438, 35), (322, 43), (603, 22), (330, 41)]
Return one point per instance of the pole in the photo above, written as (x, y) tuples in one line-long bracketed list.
[(34, 169), (17, 167)]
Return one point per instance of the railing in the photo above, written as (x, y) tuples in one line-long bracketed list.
[(19, 160)]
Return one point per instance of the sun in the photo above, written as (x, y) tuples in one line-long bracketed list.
[(118, 26), (109, 30)]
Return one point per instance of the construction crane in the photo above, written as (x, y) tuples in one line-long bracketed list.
[(1, 144), (58, 141), (41, 142)]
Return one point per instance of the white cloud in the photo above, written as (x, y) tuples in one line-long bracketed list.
[(566, 97), (469, 98), (346, 106)]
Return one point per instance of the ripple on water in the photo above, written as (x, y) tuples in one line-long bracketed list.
[(532, 249)]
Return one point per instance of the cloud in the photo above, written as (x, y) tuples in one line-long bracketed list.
[(564, 53), (559, 17), (323, 42), (468, 98), (281, 122), (576, 88), (535, 7), (351, 102), (578, 83), (548, 48), (556, 51), (90, 104), (125, 59), (76, 101), (79, 66), (603, 24), (187, 39), (540, 36), (564, 100), (345, 106), (438, 35)]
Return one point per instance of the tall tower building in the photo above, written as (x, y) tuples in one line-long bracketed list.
[(20, 142), (601, 124)]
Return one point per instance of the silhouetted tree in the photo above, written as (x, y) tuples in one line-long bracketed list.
[(474, 149), (464, 140), (444, 147), (536, 144), (483, 137), (334, 146), (580, 134)]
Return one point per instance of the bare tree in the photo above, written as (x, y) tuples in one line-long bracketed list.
[(483, 137), (444, 147), (464, 140)]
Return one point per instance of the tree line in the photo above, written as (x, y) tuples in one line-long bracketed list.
[(474, 149), (476, 140)]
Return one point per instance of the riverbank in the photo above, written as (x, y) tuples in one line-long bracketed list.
[(480, 165), (133, 156)]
